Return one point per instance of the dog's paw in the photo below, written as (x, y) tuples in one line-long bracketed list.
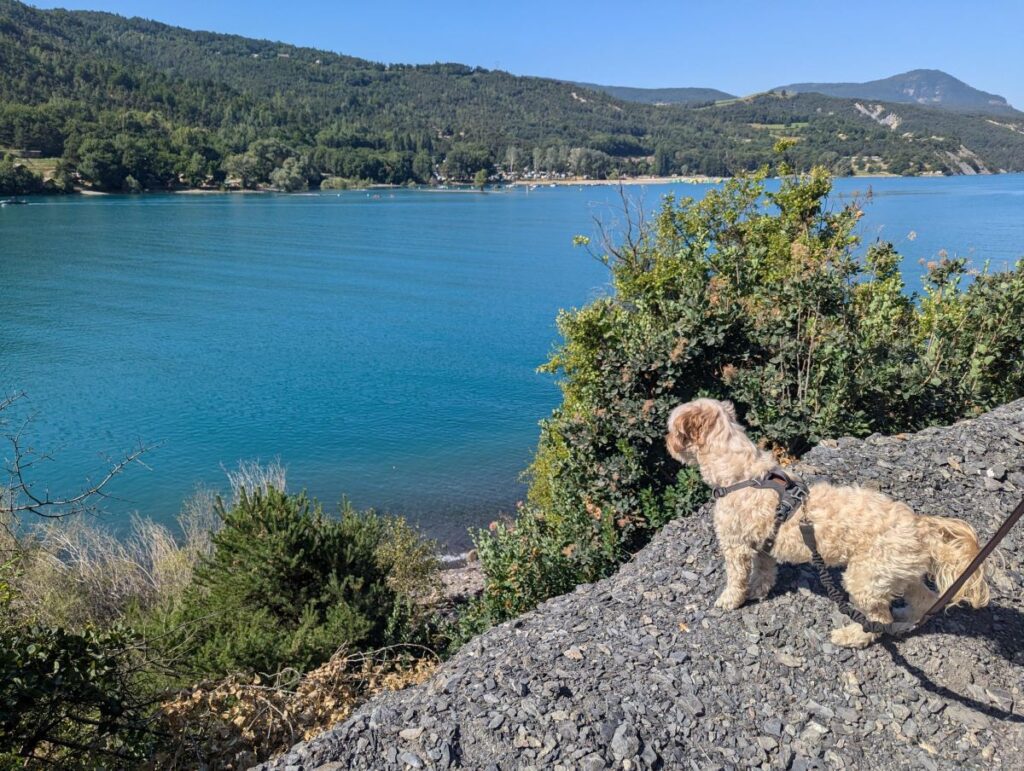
[(730, 600), (852, 636)]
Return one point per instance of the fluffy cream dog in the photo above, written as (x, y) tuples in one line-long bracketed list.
[(886, 548)]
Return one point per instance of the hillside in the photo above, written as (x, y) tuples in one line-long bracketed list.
[(130, 104), (929, 88), (641, 671), (661, 95)]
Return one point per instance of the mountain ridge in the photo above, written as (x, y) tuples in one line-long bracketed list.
[(925, 87), (130, 104), (681, 95)]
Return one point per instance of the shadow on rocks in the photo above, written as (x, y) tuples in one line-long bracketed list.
[(937, 689), (1000, 625)]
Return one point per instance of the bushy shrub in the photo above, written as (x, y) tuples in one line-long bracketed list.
[(762, 298), (16, 178), (286, 585), (98, 635), (69, 698), (343, 183)]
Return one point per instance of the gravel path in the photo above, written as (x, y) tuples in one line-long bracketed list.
[(638, 671)]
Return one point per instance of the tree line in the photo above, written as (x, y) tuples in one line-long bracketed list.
[(126, 104)]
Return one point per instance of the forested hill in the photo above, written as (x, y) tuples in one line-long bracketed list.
[(97, 100)]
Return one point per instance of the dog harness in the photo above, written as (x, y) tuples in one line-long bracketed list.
[(791, 491)]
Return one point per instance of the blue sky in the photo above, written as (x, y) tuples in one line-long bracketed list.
[(737, 46)]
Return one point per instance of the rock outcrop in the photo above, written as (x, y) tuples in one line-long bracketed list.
[(639, 671)]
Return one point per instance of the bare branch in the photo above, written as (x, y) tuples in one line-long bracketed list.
[(19, 495), (614, 247)]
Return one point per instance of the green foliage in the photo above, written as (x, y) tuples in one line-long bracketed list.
[(69, 699), (16, 179), (118, 97), (290, 176), (97, 636), (287, 585), (340, 183), (762, 298)]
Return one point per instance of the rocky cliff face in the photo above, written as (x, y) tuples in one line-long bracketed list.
[(639, 671)]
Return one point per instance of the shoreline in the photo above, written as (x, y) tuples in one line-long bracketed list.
[(469, 187), (584, 182), (206, 191)]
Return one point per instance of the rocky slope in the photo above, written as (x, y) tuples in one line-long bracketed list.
[(639, 671)]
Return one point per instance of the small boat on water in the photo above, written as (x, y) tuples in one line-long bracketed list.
[(13, 202)]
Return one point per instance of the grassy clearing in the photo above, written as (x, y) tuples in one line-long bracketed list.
[(44, 167)]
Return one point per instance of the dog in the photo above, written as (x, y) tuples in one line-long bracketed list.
[(887, 550)]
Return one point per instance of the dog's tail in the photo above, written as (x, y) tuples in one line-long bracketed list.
[(952, 544)]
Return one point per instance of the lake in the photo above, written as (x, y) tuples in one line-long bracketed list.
[(384, 346)]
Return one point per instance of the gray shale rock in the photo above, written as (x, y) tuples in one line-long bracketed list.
[(640, 671)]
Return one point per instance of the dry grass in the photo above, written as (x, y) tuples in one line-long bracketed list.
[(251, 476), (244, 719), (74, 571)]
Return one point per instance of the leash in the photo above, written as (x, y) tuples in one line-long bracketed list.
[(839, 597), (982, 555), (792, 493)]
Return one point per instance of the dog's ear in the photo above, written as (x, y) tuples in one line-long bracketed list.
[(693, 422), (730, 409)]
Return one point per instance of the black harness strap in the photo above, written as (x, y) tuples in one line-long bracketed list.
[(839, 597), (791, 491)]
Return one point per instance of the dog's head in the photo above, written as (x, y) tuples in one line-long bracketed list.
[(692, 426)]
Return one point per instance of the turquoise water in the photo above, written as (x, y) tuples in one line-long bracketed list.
[(384, 347)]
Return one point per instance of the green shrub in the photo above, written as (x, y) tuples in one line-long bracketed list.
[(69, 699), (90, 714), (16, 178), (343, 183), (287, 586), (762, 298)]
